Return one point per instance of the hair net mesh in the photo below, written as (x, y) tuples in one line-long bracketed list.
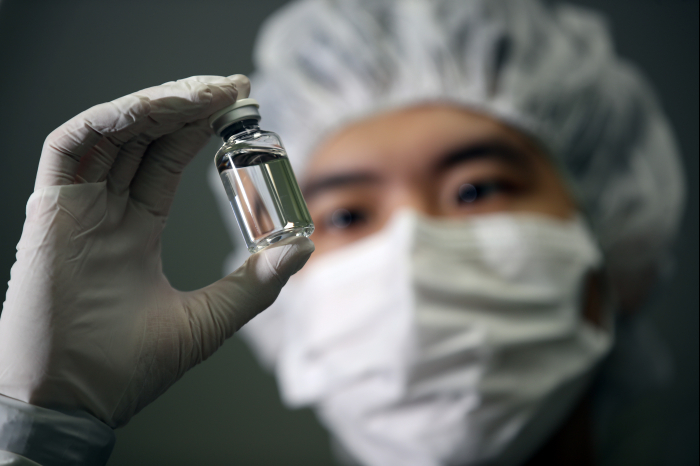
[(550, 72)]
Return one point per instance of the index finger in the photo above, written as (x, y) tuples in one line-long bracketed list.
[(84, 148)]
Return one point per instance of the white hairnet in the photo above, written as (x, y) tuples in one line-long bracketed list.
[(550, 72)]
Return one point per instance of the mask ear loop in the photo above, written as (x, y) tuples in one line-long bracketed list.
[(600, 303), (602, 285), (610, 304)]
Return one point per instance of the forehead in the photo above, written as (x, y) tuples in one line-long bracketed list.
[(408, 139)]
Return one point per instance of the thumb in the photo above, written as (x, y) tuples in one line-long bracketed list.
[(219, 310)]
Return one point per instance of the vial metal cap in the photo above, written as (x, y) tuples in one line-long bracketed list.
[(243, 109)]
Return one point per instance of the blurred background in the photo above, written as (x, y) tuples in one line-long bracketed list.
[(59, 58)]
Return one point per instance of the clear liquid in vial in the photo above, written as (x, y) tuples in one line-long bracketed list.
[(265, 196)]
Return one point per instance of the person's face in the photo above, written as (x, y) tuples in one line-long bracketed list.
[(440, 160)]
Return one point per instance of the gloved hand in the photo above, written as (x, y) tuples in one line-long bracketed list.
[(90, 322)]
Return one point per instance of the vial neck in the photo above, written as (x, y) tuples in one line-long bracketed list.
[(250, 124)]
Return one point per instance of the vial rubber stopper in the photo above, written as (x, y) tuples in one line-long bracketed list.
[(243, 109)]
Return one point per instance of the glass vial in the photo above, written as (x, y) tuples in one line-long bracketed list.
[(258, 178)]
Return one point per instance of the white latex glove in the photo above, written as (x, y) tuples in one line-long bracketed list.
[(90, 322)]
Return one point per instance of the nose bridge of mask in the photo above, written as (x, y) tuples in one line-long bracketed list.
[(513, 262), (348, 315), (490, 283), (519, 258), (508, 245)]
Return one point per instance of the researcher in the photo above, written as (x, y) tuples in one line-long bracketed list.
[(491, 185)]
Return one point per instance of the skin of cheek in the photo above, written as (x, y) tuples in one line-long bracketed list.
[(550, 195)]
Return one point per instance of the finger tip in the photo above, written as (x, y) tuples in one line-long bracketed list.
[(300, 244), (242, 84), (293, 253)]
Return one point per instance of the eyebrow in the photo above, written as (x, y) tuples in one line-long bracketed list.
[(489, 149), (340, 180)]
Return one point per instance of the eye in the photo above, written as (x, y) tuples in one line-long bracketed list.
[(470, 193), (467, 193), (343, 218)]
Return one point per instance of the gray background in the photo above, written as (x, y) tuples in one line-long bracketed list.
[(59, 58)]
